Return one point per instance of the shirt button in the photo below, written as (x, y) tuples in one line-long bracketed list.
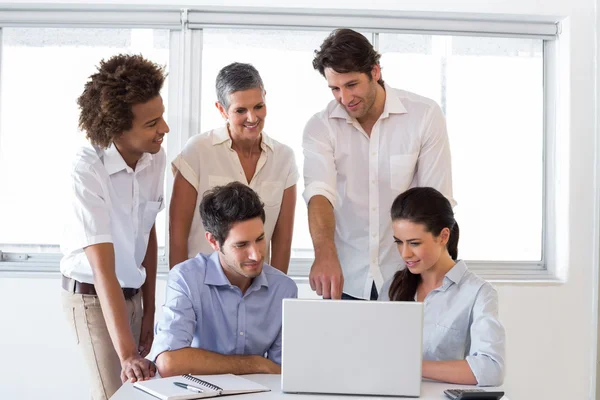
[(374, 235), (373, 153), (374, 208), (241, 333)]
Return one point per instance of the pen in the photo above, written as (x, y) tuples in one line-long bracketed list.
[(189, 387)]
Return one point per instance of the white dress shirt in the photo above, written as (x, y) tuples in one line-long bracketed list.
[(460, 322), (112, 203), (361, 176), (208, 160)]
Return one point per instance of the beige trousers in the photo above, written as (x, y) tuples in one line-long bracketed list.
[(84, 315)]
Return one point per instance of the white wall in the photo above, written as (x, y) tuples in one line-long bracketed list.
[(549, 327)]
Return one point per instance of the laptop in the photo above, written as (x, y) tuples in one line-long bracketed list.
[(352, 347)]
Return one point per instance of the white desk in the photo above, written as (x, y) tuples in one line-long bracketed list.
[(429, 391)]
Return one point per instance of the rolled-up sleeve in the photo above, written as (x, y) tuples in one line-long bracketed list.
[(434, 165), (274, 352), (293, 174), (178, 324), (188, 161), (319, 163), (486, 354), (88, 220)]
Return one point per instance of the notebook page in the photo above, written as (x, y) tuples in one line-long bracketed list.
[(165, 389), (233, 384)]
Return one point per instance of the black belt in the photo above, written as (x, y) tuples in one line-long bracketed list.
[(87, 288)]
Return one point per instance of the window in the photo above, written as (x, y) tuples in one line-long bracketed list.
[(494, 78), (475, 80), (492, 91), (43, 73)]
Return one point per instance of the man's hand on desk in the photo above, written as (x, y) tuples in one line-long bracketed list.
[(270, 367), (326, 277), (136, 368)]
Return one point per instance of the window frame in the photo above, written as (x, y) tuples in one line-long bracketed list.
[(185, 58)]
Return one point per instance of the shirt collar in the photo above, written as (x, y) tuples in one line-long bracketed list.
[(215, 275), (221, 135), (457, 272), (393, 105), (266, 142), (114, 162)]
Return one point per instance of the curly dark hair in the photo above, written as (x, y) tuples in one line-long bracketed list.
[(345, 50), (222, 206), (120, 82)]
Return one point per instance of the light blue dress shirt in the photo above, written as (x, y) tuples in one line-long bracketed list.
[(460, 322), (204, 310)]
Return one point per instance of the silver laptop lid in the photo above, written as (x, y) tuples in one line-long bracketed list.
[(352, 347)]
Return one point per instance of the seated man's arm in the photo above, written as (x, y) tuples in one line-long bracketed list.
[(175, 332), (204, 362), (274, 352)]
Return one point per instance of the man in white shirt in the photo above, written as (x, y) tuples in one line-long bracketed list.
[(367, 146), (110, 246)]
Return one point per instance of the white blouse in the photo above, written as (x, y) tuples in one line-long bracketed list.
[(208, 160), (460, 322)]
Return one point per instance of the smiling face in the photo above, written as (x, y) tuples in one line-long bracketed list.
[(420, 250), (242, 253), (147, 132), (246, 113), (354, 90)]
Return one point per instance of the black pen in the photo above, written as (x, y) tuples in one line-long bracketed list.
[(188, 387)]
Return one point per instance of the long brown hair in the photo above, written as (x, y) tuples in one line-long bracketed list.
[(426, 206)]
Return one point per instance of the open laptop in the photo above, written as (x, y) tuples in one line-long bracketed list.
[(352, 347)]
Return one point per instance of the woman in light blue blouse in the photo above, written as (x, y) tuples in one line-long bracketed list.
[(463, 341)]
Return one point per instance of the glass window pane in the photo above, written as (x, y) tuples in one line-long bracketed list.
[(491, 90), (408, 62), (43, 73)]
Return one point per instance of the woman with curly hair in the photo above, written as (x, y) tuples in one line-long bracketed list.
[(110, 246)]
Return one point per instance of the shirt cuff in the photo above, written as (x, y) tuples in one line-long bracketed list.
[(319, 188), (155, 352), (292, 179), (90, 241), (486, 370), (186, 171)]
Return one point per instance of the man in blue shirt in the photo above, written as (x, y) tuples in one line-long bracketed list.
[(222, 312)]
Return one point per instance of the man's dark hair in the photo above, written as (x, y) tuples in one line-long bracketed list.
[(120, 82), (222, 206), (344, 51)]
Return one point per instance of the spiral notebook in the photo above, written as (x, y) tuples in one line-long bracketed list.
[(211, 386)]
